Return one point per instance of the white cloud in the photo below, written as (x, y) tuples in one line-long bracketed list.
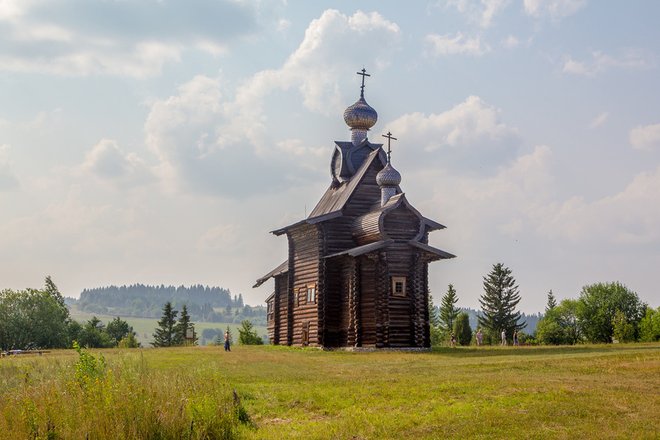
[(599, 120), (8, 179), (481, 12), (555, 9), (645, 137), (600, 62), (458, 44), (326, 53), (204, 138), (108, 162), (133, 39), (471, 135)]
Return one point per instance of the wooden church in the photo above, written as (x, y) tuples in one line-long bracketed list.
[(357, 270)]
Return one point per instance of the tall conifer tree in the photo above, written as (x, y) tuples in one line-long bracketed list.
[(182, 327), (165, 335), (448, 309), (499, 301), (552, 302)]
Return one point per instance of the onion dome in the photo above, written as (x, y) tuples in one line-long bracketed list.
[(388, 176), (360, 115)]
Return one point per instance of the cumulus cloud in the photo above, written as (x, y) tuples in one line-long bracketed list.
[(107, 161), (205, 135), (458, 44), (333, 45), (76, 37), (600, 62), (555, 9), (481, 12), (8, 179), (470, 136), (645, 137)]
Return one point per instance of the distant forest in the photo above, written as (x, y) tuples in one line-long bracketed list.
[(531, 320), (204, 303)]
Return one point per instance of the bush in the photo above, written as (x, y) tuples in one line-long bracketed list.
[(462, 329)]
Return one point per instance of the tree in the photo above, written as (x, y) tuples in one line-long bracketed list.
[(598, 304), (95, 335), (649, 326), (622, 330), (53, 291), (31, 319), (448, 309), (165, 334), (499, 301), (552, 302), (182, 327), (462, 329), (247, 335), (560, 324), (434, 323), (118, 329)]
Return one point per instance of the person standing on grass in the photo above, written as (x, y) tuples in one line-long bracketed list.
[(227, 341), (515, 337), (503, 337), (480, 337), (453, 339)]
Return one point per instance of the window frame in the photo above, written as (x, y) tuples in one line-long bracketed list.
[(311, 294), (396, 280)]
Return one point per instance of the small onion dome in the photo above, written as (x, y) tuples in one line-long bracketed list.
[(388, 176), (360, 115)]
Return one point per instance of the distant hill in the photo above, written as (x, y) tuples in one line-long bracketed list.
[(204, 303)]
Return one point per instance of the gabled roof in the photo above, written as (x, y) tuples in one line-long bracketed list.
[(335, 199), (279, 270)]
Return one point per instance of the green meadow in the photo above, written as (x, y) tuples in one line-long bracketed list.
[(267, 392)]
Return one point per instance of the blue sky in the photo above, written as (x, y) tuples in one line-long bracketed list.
[(160, 141)]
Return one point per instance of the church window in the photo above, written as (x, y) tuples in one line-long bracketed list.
[(311, 293), (398, 286)]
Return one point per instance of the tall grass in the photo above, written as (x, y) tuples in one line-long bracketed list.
[(599, 391), (85, 398)]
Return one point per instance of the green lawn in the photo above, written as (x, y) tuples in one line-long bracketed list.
[(600, 391), (144, 327)]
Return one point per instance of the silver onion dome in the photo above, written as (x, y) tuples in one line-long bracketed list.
[(360, 116), (388, 176)]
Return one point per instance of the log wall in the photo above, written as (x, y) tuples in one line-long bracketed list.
[(304, 250)]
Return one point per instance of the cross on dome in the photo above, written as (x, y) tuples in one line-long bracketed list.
[(363, 73), (389, 139)]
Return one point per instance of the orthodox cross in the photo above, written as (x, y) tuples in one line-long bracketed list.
[(363, 73), (389, 139)]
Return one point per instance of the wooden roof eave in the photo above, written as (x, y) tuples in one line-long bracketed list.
[(279, 270), (364, 249), (307, 221), (436, 254)]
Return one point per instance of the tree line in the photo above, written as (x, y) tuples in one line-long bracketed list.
[(146, 300), (603, 313)]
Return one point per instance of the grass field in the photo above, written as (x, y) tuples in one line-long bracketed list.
[(603, 391), (145, 327)]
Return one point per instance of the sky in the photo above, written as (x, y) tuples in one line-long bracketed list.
[(159, 141)]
